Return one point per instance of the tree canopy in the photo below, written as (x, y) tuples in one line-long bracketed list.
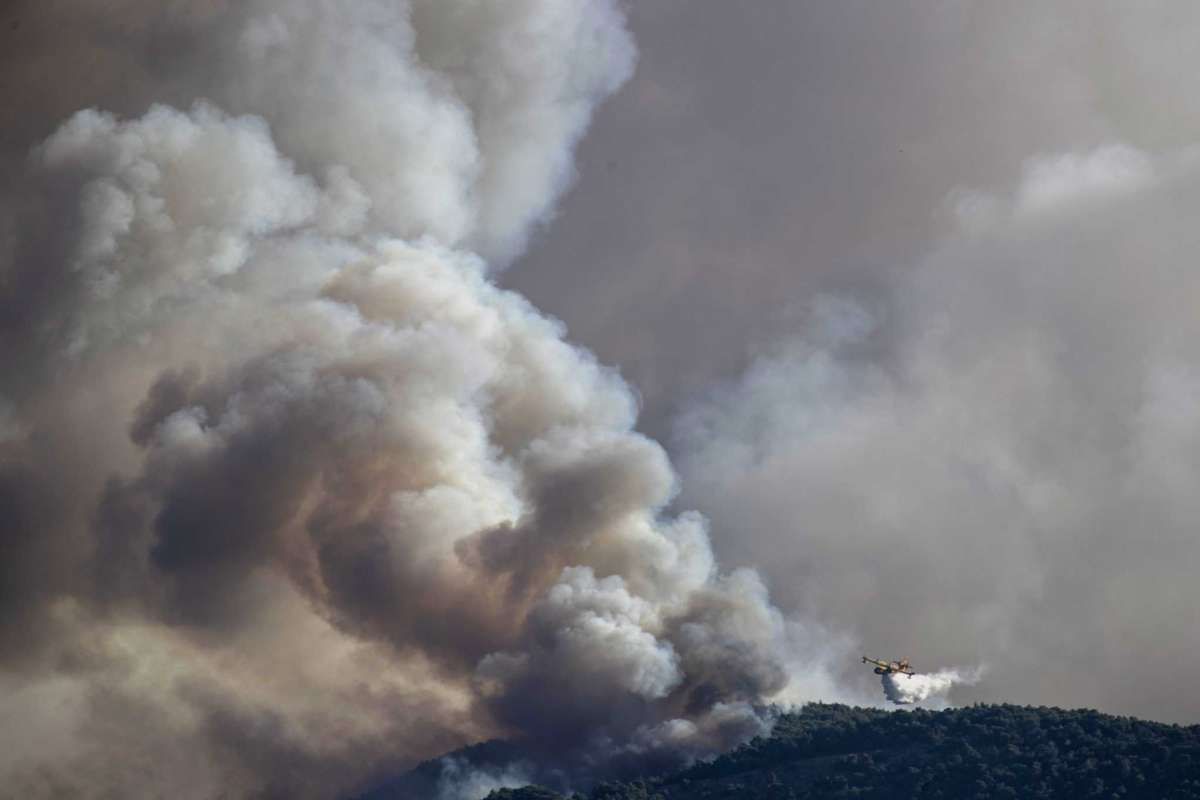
[(984, 751)]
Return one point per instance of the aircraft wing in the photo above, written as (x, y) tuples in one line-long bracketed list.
[(883, 664)]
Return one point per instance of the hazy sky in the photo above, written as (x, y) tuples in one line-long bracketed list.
[(903, 296), (997, 463)]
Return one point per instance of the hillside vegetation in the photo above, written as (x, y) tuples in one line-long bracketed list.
[(835, 751)]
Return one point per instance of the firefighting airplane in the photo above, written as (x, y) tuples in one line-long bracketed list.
[(888, 667)]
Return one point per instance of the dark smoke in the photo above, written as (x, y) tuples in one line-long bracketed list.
[(292, 495)]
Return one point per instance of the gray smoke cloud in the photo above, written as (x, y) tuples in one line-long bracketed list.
[(828, 157), (461, 780), (293, 494), (1014, 483), (720, 195)]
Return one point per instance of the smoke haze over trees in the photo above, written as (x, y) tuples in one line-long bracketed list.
[(833, 751), (303, 480), (293, 494)]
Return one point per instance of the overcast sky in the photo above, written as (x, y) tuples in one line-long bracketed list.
[(903, 296)]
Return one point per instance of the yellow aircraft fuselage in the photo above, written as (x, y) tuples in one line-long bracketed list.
[(889, 667)]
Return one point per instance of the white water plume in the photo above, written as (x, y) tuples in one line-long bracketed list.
[(924, 686)]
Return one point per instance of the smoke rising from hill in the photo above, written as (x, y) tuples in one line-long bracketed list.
[(292, 494)]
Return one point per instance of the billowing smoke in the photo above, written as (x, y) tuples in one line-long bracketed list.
[(292, 495), (995, 461), (461, 780)]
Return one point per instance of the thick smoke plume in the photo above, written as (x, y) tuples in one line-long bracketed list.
[(461, 780), (292, 495)]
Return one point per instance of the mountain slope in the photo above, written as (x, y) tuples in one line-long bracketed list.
[(832, 751)]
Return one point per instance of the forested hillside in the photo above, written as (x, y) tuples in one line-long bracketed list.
[(835, 751)]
